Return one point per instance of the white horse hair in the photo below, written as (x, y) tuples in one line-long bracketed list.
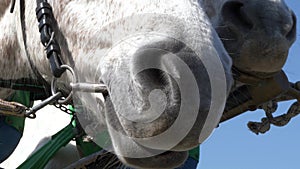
[(158, 59)]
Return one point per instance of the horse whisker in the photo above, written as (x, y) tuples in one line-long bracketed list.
[(222, 26), (227, 39)]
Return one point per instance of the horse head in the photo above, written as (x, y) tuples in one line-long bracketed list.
[(163, 62)]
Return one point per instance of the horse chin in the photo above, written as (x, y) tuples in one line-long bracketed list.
[(250, 55), (168, 159), (258, 41)]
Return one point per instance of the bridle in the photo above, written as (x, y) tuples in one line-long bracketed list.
[(46, 25)]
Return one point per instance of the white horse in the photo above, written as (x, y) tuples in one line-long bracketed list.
[(165, 67)]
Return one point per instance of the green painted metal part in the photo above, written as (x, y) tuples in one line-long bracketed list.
[(41, 157), (194, 153)]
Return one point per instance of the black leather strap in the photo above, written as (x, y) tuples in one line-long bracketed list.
[(46, 22), (41, 81)]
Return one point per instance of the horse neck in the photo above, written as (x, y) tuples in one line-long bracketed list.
[(4, 4), (14, 64)]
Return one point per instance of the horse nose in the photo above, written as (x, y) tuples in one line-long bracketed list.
[(273, 17), (291, 35)]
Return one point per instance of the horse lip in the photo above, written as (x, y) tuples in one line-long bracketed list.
[(168, 159), (262, 75)]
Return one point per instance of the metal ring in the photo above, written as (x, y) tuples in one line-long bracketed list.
[(53, 86), (54, 80), (30, 114), (50, 41)]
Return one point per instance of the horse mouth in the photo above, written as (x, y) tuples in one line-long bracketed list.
[(168, 159)]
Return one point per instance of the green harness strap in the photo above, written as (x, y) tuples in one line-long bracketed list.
[(41, 157)]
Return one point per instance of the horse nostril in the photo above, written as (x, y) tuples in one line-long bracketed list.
[(234, 12), (291, 35)]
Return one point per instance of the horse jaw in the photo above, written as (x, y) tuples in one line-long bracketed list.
[(14, 64)]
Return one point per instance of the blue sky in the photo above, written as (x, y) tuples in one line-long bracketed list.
[(233, 146)]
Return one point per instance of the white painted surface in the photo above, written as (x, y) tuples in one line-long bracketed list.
[(49, 121)]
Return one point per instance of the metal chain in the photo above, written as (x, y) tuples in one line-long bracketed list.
[(64, 108), (282, 120), (31, 112)]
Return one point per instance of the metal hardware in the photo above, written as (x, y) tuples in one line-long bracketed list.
[(30, 113), (64, 109), (89, 88), (53, 84), (282, 120), (253, 96), (264, 95)]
